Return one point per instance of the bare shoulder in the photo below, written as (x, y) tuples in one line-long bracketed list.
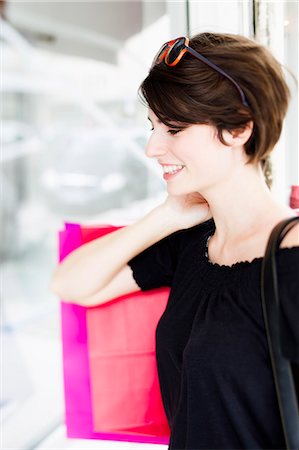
[(292, 237)]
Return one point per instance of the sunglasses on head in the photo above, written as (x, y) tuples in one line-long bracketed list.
[(173, 51)]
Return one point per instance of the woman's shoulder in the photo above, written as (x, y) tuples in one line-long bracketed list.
[(190, 234), (288, 255), (185, 239), (288, 252), (292, 237), (275, 217)]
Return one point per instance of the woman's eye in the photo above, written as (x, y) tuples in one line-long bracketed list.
[(173, 131)]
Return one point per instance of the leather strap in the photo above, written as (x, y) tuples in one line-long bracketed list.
[(282, 371)]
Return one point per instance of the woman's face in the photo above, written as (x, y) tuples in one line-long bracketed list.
[(193, 159)]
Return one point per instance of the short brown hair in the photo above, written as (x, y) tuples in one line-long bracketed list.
[(193, 93)]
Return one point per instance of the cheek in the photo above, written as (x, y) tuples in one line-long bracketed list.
[(203, 154), (211, 166)]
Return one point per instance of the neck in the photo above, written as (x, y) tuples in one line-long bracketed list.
[(243, 205)]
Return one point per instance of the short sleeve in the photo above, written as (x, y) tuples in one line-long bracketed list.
[(288, 282), (154, 267)]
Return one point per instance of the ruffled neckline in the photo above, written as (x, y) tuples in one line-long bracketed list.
[(244, 274), (235, 265), (239, 264)]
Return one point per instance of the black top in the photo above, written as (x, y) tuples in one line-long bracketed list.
[(212, 354)]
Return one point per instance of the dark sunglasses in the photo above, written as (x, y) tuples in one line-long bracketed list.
[(173, 51)]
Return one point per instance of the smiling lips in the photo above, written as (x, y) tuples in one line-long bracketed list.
[(171, 170)]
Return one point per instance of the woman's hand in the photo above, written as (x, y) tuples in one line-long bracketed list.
[(188, 210)]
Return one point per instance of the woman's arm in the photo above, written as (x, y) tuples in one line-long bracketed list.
[(92, 267), (123, 283)]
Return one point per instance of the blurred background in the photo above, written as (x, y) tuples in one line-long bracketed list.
[(72, 149)]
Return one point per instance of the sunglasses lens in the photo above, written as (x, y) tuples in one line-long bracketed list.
[(161, 52), (175, 50)]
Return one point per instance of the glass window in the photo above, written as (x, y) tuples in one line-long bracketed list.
[(277, 28), (73, 150)]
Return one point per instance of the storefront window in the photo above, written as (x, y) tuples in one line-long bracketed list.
[(277, 28), (73, 143)]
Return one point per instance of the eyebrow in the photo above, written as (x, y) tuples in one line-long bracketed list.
[(174, 125)]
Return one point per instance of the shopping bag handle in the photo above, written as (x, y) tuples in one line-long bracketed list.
[(281, 367)]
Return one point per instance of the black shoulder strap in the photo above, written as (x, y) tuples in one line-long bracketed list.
[(281, 367)]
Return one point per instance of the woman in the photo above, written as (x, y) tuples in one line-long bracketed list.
[(216, 107)]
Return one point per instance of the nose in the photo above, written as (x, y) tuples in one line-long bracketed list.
[(156, 146)]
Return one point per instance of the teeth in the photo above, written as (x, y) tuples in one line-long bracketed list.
[(172, 169)]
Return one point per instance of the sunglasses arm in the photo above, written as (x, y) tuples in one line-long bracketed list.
[(217, 69)]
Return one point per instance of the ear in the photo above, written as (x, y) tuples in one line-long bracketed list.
[(238, 136)]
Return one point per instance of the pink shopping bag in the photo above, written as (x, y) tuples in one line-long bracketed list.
[(121, 341), (111, 383), (78, 411)]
